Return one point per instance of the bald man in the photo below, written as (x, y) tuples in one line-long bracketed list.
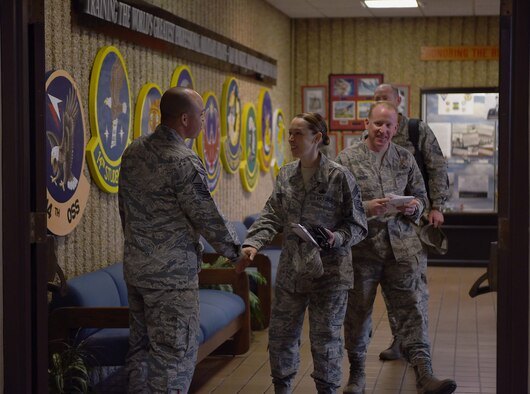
[(389, 255), (435, 167), (165, 205)]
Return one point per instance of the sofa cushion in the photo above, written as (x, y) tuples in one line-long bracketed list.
[(116, 272), (248, 220), (241, 231), (217, 309)]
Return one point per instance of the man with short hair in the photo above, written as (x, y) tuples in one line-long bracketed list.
[(389, 256), (165, 205), (412, 134)]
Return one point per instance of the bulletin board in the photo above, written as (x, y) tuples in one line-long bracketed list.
[(350, 97)]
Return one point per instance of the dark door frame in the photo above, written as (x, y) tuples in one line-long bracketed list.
[(23, 193), (23, 190), (514, 198)]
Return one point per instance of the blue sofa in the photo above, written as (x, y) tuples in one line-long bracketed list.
[(95, 310)]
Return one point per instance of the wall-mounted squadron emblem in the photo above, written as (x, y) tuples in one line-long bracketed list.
[(110, 118), (67, 186)]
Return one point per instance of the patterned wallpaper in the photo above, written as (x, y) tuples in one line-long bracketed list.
[(98, 241), (391, 46)]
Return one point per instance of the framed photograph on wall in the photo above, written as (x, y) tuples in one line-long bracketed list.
[(363, 107), (349, 138), (404, 93), (350, 97), (314, 99), (333, 149)]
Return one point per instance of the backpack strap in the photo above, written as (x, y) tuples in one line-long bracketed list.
[(414, 133), (414, 137)]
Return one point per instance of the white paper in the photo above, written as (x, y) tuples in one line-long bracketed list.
[(302, 232)]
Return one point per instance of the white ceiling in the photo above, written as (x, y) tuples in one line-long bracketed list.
[(354, 8)]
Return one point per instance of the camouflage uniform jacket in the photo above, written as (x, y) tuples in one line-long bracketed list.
[(435, 163), (392, 235), (164, 205), (332, 200)]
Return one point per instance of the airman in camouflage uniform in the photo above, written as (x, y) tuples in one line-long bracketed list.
[(437, 191), (164, 205), (311, 191), (389, 255)]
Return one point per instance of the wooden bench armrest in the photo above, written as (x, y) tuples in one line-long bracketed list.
[(61, 320)]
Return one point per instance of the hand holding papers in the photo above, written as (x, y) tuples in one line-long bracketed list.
[(398, 201)]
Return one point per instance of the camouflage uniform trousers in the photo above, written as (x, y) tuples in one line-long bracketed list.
[(326, 316), (424, 291), (402, 283), (163, 339)]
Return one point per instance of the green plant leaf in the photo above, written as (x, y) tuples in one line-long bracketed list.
[(257, 276)]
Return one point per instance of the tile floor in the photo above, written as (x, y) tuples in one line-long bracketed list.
[(463, 337)]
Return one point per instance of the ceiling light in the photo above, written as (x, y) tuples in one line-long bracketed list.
[(391, 3)]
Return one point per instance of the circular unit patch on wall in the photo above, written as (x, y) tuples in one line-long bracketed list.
[(109, 105), (279, 140), (209, 141), (230, 126), (265, 144), (249, 167), (147, 111), (67, 188)]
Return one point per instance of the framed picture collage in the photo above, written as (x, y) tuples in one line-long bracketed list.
[(345, 103)]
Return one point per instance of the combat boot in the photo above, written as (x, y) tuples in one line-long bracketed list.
[(393, 352), (427, 383), (280, 389), (357, 378)]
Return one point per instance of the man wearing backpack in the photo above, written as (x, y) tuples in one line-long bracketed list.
[(417, 137)]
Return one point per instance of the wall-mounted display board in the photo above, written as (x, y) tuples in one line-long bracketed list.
[(249, 167), (265, 144), (67, 188), (465, 124), (350, 97), (147, 111), (230, 126), (209, 141), (109, 105), (278, 127)]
